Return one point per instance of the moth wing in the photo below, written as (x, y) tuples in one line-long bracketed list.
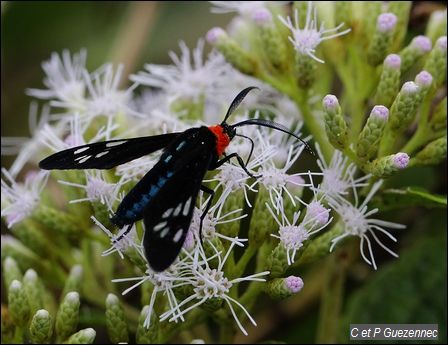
[(168, 216), (106, 154)]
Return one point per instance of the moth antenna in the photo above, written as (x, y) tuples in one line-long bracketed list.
[(273, 125), (237, 100)]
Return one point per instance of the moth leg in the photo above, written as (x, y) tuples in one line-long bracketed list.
[(240, 162), (128, 229), (251, 146), (211, 192)]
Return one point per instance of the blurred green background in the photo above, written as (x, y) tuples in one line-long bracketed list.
[(411, 289)]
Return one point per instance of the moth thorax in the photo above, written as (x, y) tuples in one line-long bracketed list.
[(222, 139)]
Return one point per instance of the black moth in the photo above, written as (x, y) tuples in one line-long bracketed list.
[(165, 197)]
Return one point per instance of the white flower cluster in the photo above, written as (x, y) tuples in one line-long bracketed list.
[(95, 109)]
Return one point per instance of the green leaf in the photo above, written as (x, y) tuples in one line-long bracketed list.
[(391, 199), (410, 290)]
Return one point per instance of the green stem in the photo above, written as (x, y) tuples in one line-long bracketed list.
[(312, 124), (243, 261), (19, 334), (331, 302), (300, 97)]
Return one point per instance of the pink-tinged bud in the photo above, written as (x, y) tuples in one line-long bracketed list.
[(393, 61), (409, 88), (294, 284), (441, 43), (401, 160), (423, 79), (214, 34), (380, 112), (330, 102), (262, 16), (386, 22), (422, 43), (317, 214)]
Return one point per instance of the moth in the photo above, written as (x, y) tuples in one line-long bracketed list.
[(166, 196)]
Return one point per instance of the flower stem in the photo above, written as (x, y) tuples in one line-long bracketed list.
[(312, 124), (331, 301)]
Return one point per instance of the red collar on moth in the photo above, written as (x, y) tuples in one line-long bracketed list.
[(222, 139)]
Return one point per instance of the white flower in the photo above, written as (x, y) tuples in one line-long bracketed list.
[(120, 242), (97, 188), (355, 222), (213, 218), (338, 177), (186, 79), (164, 283), (64, 80), (20, 199), (292, 234), (306, 40), (232, 177), (277, 180), (210, 283), (104, 96), (26, 149)]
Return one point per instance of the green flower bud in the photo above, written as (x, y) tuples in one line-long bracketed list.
[(28, 233), (74, 280), (335, 125), (437, 25), (319, 246), (101, 213), (147, 332), (404, 107), (418, 47), (11, 271), (18, 304), (234, 54), (387, 166), (281, 288), (438, 119), (84, 336), (41, 328), (34, 290), (271, 40), (67, 316), (262, 224), (436, 62), (370, 136), (234, 201), (389, 84), (57, 221), (306, 70), (117, 327), (277, 262), (424, 81), (382, 39), (433, 153), (212, 304)]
